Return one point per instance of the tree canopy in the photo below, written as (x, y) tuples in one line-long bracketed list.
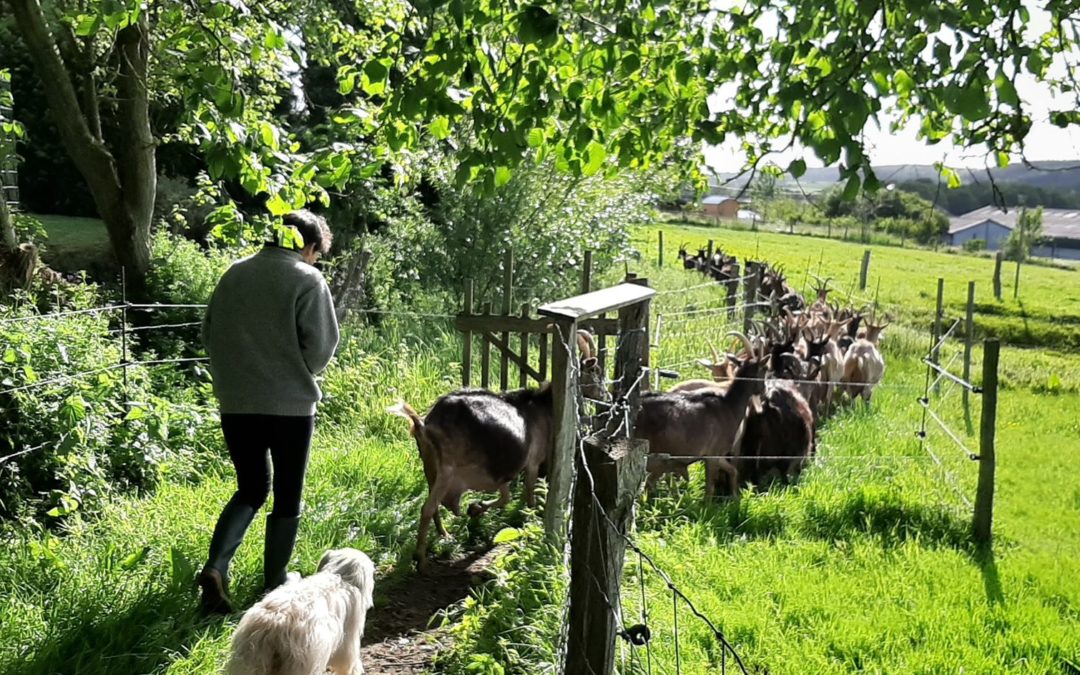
[(596, 86)]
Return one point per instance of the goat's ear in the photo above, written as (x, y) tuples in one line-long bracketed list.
[(590, 362), (757, 405), (707, 363)]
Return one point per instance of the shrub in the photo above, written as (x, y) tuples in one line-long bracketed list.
[(973, 245), (75, 430)]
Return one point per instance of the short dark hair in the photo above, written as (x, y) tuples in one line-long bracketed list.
[(312, 228)]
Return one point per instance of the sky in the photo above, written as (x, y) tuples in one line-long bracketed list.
[(1044, 142)]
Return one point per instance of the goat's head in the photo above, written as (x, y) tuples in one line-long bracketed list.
[(591, 376), (750, 366), (721, 369), (873, 330)]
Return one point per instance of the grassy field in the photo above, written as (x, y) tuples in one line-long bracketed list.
[(866, 565)]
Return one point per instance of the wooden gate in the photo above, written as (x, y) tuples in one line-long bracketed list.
[(520, 341)]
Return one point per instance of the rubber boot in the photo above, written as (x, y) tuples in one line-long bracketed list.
[(233, 523), (280, 539)]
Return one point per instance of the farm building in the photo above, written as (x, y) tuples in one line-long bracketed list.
[(721, 207), (1060, 228)]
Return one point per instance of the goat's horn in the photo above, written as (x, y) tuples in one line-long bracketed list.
[(745, 340), (715, 354), (585, 344)]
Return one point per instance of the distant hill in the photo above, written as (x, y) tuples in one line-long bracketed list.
[(1062, 175)]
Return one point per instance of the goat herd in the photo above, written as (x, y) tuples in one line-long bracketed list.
[(753, 421)]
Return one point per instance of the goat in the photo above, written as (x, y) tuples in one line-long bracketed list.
[(779, 429), (688, 426), (864, 367), (474, 439), (722, 369)]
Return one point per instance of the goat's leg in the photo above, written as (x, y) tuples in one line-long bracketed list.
[(429, 512), (733, 476), (530, 487), (478, 509)]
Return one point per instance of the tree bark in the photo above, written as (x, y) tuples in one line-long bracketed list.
[(7, 224), (122, 180)]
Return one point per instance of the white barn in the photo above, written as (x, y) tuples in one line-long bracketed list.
[(1060, 228)]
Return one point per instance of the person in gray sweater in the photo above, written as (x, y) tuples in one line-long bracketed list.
[(269, 329)]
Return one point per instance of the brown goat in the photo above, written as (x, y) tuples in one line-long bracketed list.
[(687, 426), (473, 439)]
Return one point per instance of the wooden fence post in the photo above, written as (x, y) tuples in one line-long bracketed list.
[(1016, 283), (935, 355), (997, 276), (610, 471), (507, 307), (969, 338), (523, 337), (660, 252), (983, 522), (750, 296), (564, 388), (710, 248), (485, 352), (864, 270), (733, 290), (466, 351), (586, 273)]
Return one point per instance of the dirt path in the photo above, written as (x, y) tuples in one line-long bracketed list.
[(399, 637)]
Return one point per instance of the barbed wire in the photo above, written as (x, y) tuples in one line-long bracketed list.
[(71, 377)]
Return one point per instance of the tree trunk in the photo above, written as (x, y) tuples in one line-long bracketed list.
[(122, 180), (7, 224)]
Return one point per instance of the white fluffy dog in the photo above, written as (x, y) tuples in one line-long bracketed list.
[(308, 626)]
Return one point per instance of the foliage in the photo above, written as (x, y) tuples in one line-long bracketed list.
[(511, 624), (971, 196), (547, 218), (1026, 234), (579, 83), (78, 433), (975, 245)]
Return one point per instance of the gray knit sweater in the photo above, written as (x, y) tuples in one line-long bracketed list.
[(270, 329)]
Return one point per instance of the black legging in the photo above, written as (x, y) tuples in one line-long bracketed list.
[(255, 440)]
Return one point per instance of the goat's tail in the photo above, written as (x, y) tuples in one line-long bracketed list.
[(403, 409)]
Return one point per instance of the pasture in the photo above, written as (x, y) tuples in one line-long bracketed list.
[(865, 565)]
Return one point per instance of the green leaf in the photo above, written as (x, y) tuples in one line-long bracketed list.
[(1006, 92), (9, 355), (507, 535), (536, 138), (135, 413), (1002, 159), (269, 135), (130, 562), (373, 79), (596, 155), (87, 24), (502, 176), (851, 188), (903, 82), (537, 25), (683, 71), (30, 374), (439, 128), (952, 178), (797, 168)]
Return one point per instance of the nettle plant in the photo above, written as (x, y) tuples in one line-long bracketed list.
[(597, 86)]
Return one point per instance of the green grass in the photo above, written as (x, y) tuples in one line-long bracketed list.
[(72, 232), (866, 565), (1045, 314)]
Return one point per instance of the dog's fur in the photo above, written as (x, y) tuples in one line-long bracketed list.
[(305, 627)]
